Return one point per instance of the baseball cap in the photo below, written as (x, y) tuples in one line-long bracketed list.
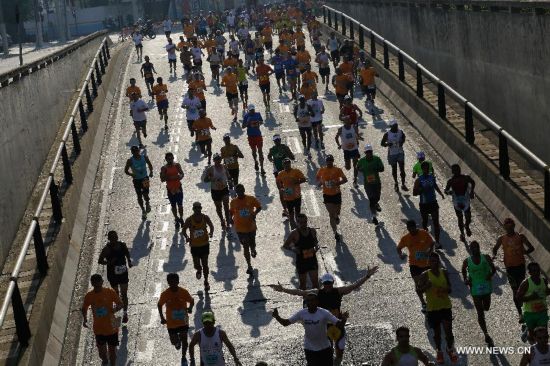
[(208, 316), (393, 122), (301, 97), (329, 157), (420, 155), (312, 292), (134, 148), (226, 136), (327, 277), (197, 204), (251, 107), (286, 160), (276, 137), (368, 147)]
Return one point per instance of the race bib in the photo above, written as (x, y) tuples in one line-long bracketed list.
[(211, 359), (205, 132), (350, 145), (371, 178), (334, 333), (198, 233), (420, 256), (482, 288), (101, 312), (308, 253), (329, 184), (538, 306), (289, 191), (121, 269), (179, 314), (264, 78), (230, 160), (254, 124), (244, 212)]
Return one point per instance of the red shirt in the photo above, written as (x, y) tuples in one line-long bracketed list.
[(350, 110)]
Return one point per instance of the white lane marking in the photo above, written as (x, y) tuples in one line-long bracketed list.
[(177, 139), (294, 145), (325, 127), (176, 148), (178, 130), (333, 268), (112, 177), (157, 290), (147, 355), (163, 210), (160, 267), (280, 108), (165, 225), (163, 242), (287, 108), (313, 209), (154, 319)]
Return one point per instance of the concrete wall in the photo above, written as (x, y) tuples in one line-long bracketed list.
[(31, 112), (497, 60)]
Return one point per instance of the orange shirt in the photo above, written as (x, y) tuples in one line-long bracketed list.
[(102, 310), (310, 77), (241, 209), (307, 90), (176, 307), (283, 48), (133, 89), (303, 58), (328, 177), (208, 44), (263, 72), (418, 246), (514, 252), (287, 37), (230, 61), (188, 30), (367, 76), (182, 44), (288, 180), (159, 91), (346, 67), (266, 33), (341, 83), (198, 87), (230, 83), (300, 38), (202, 127)]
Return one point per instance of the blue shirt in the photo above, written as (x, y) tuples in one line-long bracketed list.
[(139, 167), (277, 62), (290, 66), (251, 122), (427, 183)]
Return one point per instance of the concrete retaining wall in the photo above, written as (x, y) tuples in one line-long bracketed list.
[(497, 60), (31, 113)]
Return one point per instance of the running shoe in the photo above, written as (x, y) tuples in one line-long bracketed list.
[(125, 318), (439, 358), (147, 207), (355, 185), (396, 187), (256, 166), (262, 172), (143, 215), (452, 355), (253, 253), (462, 238), (322, 145), (378, 208), (144, 134), (198, 274), (177, 223)]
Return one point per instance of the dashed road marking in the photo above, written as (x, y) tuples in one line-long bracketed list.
[(160, 267), (165, 225), (163, 242), (176, 148), (325, 127), (313, 207), (163, 210), (153, 319), (147, 355), (157, 290), (332, 268), (112, 177), (294, 145)]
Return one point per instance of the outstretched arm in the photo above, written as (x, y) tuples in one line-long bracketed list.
[(347, 289)]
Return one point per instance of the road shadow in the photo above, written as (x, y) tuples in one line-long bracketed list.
[(163, 138), (141, 244), (459, 290), (176, 255), (253, 310), (202, 305), (194, 156), (261, 189), (226, 271), (360, 208), (387, 246), (122, 352), (345, 262)]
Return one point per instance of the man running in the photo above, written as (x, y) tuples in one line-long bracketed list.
[(159, 91), (264, 72), (331, 178), (244, 209), (318, 109), (323, 60), (420, 244), (179, 304), (462, 187), (252, 122), (138, 165), (104, 303), (172, 174), (303, 113), (417, 169), (218, 177), (304, 243), (211, 340), (333, 45), (371, 166), (138, 43), (532, 292), (200, 230), (317, 347), (288, 182), (347, 138), (477, 272), (133, 89), (202, 127), (290, 65), (192, 104), (539, 354), (242, 80), (147, 70), (437, 286), (229, 81), (171, 50), (231, 154), (404, 354), (368, 86), (515, 247), (394, 140), (278, 68), (137, 110), (116, 257), (425, 186)]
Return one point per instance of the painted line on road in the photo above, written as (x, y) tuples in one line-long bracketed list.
[(160, 267), (313, 208), (332, 268), (158, 287), (163, 242), (153, 319), (177, 139), (324, 127), (176, 148), (165, 225), (147, 355), (112, 177), (163, 210), (294, 145)]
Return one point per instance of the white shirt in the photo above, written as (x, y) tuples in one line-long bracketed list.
[(197, 53), (231, 19), (317, 106), (315, 326), (167, 24), (394, 142), (193, 105), (234, 46), (332, 44), (137, 38), (136, 114), (171, 49)]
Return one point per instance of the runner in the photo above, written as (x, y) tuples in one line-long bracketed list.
[(138, 164), (229, 80), (116, 257), (215, 61), (462, 187), (264, 71), (290, 65), (317, 347), (318, 109), (231, 154), (420, 244), (133, 89), (323, 60), (171, 50), (341, 83), (404, 354), (477, 272), (138, 43), (368, 86), (267, 39), (147, 70), (179, 304), (331, 178), (192, 104), (351, 111), (218, 177), (186, 57), (200, 230), (172, 174), (303, 113), (197, 53), (515, 247), (302, 56), (425, 186), (167, 27), (349, 138), (252, 122), (211, 340), (249, 49), (220, 43), (539, 354), (333, 46), (417, 169), (244, 209), (394, 140), (196, 82), (533, 292), (435, 283), (288, 181), (371, 166), (104, 303), (278, 66), (159, 91), (202, 127)]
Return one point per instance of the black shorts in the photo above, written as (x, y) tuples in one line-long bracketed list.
[(172, 61), (214, 67), (167, 33), (139, 46), (324, 71), (306, 265), (117, 279), (204, 142), (516, 275), (429, 208), (218, 195), (197, 62), (203, 104), (265, 88), (111, 340), (333, 198), (319, 358), (268, 45), (176, 331), (248, 238), (234, 174), (436, 317), (187, 67), (335, 55), (294, 204), (231, 96), (416, 270), (150, 80), (243, 88), (201, 251)]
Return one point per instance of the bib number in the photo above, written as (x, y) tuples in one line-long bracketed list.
[(230, 160), (121, 269), (372, 179), (308, 253), (179, 314), (244, 212), (482, 288), (211, 359), (101, 312), (420, 256), (198, 233), (205, 132), (289, 191), (538, 307)]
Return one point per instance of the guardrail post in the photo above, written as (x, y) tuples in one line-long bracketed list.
[(329, 18), (94, 85), (419, 85), (104, 51), (469, 118), (83, 118), (20, 316), (343, 19), (503, 156), (335, 21), (107, 49), (56, 202), (372, 45), (361, 38), (351, 33), (441, 107), (101, 63), (89, 102), (324, 15), (66, 165), (40, 251), (401, 66), (97, 74), (76, 141), (386, 56), (547, 193)]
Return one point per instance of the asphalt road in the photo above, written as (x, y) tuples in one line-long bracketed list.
[(243, 304)]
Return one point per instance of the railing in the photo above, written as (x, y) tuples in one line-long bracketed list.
[(71, 140), (473, 119)]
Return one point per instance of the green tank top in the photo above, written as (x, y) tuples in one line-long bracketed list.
[(409, 358), (538, 305), (478, 276), (437, 296)]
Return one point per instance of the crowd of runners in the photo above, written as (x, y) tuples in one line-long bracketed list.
[(253, 48)]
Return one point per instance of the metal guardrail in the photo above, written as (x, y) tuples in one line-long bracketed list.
[(31, 67), (82, 108), (336, 19)]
